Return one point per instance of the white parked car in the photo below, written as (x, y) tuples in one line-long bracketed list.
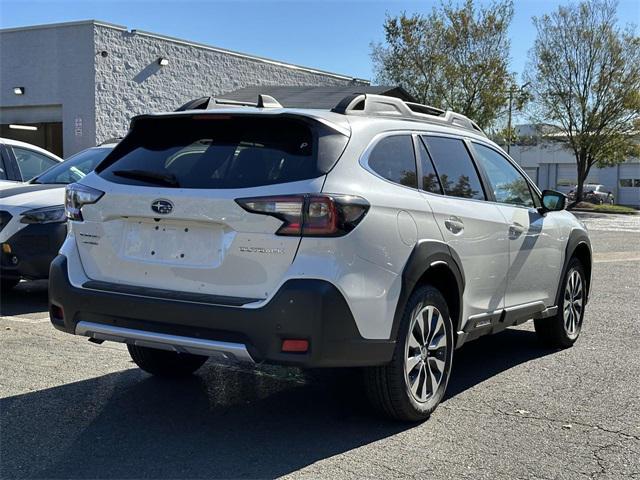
[(380, 234), (20, 161), (32, 218)]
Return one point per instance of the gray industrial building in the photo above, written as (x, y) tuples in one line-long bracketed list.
[(79, 83)]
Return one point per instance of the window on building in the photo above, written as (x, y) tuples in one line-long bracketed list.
[(458, 175), (508, 184), (31, 163), (394, 159)]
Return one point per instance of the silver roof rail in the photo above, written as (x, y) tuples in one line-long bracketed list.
[(381, 105), (207, 103)]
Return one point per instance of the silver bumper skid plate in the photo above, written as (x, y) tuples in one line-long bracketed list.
[(163, 341)]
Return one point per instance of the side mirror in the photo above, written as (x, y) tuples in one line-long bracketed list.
[(553, 201)]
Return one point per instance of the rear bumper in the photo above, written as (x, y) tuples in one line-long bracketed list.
[(32, 250), (308, 309)]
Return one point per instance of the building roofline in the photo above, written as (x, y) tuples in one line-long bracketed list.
[(182, 41), (64, 24)]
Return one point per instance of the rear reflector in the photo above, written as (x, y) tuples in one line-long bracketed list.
[(297, 346)]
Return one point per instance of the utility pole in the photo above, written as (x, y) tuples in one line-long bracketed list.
[(511, 92)]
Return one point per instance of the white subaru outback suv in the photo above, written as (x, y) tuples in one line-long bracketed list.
[(380, 234)]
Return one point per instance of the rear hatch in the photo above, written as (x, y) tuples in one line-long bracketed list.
[(169, 219)]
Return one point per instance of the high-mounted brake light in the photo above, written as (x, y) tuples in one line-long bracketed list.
[(310, 215)]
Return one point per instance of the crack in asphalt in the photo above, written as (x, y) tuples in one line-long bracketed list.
[(547, 419)]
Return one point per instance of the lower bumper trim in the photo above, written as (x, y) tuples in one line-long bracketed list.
[(196, 346)]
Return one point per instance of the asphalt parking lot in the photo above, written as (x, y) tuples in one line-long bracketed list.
[(71, 409)]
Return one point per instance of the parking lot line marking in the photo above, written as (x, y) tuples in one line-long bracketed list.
[(24, 319), (608, 257)]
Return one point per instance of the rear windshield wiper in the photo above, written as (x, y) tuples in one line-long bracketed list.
[(168, 179)]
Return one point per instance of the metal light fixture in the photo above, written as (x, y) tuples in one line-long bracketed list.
[(18, 90), (163, 62), (23, 127)]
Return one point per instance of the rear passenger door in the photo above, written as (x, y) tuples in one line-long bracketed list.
[(474, 228), (536, 243)]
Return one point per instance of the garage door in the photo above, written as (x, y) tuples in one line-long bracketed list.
[(567, 177), (629, 184)]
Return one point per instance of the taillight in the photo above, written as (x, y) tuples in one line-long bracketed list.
[(310, 215), (77, 195)]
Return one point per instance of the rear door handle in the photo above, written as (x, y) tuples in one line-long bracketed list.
[(454, 225)]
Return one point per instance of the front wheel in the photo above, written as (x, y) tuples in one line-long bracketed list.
[(563, 330), (164, 363), (413, 384)]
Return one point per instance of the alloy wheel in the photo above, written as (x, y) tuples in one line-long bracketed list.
[(426, 353), (573, 303)]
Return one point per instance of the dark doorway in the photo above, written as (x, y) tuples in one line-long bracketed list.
[(44, 135)]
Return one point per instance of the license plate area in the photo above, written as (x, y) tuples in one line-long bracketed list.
[(174, 243)]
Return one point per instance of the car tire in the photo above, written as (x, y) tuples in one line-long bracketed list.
[(7, 284), (164, 363), (562, 330), (413, 384)]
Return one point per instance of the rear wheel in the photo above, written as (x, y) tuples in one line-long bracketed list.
[(164, 363), (563, 330), (413, 384)]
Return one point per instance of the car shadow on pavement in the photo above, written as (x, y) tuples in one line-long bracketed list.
[(225, 422), (25, 298)]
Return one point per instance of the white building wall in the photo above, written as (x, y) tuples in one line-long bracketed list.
[(555, 168)]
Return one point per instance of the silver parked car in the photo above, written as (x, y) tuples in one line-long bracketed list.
[(593, 193)]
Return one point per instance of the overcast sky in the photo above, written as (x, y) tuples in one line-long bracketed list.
[(329, 35)]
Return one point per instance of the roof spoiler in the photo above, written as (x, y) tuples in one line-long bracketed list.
[(208, 103)]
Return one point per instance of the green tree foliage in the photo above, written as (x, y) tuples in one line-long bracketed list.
[(584, 72), (454, 58)]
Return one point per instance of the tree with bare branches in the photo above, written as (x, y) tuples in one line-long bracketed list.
[(584, 74)]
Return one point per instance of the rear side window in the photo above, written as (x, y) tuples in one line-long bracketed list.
[(222, 151), (458, 175), (31, 163), (394, 159)]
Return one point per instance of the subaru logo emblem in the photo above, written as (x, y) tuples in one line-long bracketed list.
[(163, 207)]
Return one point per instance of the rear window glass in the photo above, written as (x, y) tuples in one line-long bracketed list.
[(220, 152), (75, 168)]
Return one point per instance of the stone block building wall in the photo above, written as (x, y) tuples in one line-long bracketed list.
[(129, 80)]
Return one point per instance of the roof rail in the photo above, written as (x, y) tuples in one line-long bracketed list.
[(207, 103), (381, 105)]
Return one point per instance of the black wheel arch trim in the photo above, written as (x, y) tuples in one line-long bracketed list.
[(578, 239), (426, 255)]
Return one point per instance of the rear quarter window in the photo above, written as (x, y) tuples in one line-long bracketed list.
[(394, 159)]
